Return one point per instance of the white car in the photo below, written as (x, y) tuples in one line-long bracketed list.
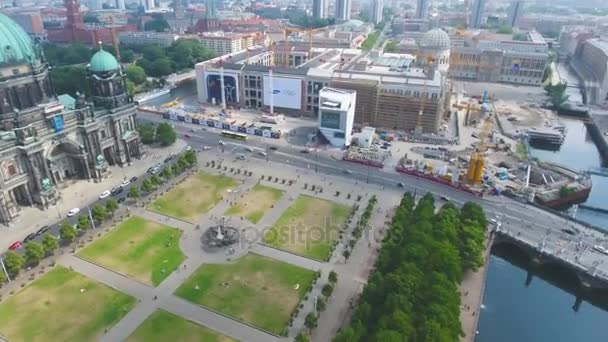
[(73, 212), (104, 194), (248, 149), (206, 148), (262, 153), (125, 183), (347, 171)]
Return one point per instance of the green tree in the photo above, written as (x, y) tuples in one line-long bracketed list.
[(165, 134), (34, 252), (302, 337), (133, 193), (146, 186), (127, 56), (176, 169), (505, 29), (67, 233), (391, 46), (327, 289), (111, 206), (69, 80), (147, 133), (520, 37), (557, 94), (50, 244), (160, 67), (158, 25), (190, 157), (130, 87), (153, 52), (155, 180), (99, 213), (333, 277), (2, 278), (321, 304), (13, 263), (83, 222), (311, 321), (136, 74), (166, 173)]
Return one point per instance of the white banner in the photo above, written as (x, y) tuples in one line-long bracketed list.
[(218, 124), (251, 130), (266, 133), (285, 92), (234, 128)]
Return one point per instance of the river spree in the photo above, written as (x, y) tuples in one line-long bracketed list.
[(518, 304)]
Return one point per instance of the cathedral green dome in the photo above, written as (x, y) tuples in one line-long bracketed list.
[(103, 61), (16, 47)]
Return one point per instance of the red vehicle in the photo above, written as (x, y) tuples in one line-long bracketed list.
[(15, 245)]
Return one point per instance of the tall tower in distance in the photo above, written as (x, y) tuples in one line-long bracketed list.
[(478, 13), (343, 9), (319, 9), (422, 9), (516, 10), (377, 10)]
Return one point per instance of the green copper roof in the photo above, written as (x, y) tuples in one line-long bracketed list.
[(16, 46), (103, 61)]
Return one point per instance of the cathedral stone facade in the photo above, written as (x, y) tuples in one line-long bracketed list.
[(44, 142)]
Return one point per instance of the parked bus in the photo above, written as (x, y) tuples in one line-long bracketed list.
[(234, 135)]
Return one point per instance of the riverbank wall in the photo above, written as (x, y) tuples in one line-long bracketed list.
[(597, 127)]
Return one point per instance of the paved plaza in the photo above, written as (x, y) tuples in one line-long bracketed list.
[(352, 273)]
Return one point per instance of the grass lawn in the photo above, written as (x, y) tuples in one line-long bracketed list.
[(141, 249), (163, 326), (254, 204), (308, 227), (54, 308), (194, 197), (253, 288)]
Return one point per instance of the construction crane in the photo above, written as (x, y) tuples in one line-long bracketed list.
[(477, 161), (309, 34), (114, 38)]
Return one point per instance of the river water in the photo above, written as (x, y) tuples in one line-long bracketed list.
[(523, 303)]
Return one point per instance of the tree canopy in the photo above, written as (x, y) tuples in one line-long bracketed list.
[(157, 24), (70, 80), (557, 94), (165, 134), (412, 295)]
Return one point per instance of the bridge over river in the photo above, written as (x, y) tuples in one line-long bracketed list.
[(574, 248)]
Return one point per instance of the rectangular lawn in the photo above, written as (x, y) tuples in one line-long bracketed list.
[(141, 249), (254, 204), (253, 289), (62, 305), (194, 197), (308, 227), (163, 326)]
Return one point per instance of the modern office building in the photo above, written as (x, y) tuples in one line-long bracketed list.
[(396, 91), (516, 9), (45, 140), (337, 115), (343, 9), (478, 14), (377, 11), (320, 9), (422, 9)]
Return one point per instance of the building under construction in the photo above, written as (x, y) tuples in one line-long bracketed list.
[(394, 91)]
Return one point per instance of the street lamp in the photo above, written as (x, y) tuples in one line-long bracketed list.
[(91, 217)]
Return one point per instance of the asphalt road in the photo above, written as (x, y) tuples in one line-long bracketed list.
[(322, 162)]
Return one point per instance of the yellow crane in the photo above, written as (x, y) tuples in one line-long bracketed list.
[(477, 161)]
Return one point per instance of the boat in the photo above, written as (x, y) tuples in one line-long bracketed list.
[(153, 94)]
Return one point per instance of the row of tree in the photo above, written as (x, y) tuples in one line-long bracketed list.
[(34, 252), (78, 53), (183, 54), (412, 294)]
